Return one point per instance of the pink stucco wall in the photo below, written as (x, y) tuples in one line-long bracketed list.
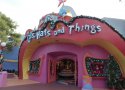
[(79, 52)]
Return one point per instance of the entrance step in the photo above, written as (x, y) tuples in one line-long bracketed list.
[(62, 82), (67, 82)]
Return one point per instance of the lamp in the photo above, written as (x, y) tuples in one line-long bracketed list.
[(3, 44)]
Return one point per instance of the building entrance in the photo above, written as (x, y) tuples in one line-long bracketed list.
[(66, 71)]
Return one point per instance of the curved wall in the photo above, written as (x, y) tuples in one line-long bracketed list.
[(93, 50)]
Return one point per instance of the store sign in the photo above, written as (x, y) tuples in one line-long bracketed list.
[(92, 29)]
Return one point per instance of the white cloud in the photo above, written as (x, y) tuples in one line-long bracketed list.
[(28, 12)]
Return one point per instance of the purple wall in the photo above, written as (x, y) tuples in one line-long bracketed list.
[(67, 49)]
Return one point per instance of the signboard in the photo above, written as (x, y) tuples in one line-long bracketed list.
[(92, 29)]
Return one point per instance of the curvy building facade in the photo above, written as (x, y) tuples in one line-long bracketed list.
[(65, 49)]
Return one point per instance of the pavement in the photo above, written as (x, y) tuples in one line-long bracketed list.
[(17, 84)]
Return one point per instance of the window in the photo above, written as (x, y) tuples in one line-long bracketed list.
[(97, 67), (34, 66)]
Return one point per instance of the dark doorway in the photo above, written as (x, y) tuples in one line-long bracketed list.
[(66, 71)]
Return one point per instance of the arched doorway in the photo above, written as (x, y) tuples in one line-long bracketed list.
[(66, 70), (62, 68)]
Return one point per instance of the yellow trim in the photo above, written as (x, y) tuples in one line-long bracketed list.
[(11, 60), (112, 49), (25, 68)]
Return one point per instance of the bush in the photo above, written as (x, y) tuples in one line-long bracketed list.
[(16, 72)]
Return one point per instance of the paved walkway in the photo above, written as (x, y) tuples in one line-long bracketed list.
[(16, 84)]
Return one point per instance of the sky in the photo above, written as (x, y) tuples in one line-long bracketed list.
[(27, 13)]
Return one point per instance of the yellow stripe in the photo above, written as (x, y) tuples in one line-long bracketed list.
[(11, 60)]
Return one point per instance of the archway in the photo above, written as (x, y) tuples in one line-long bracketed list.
[(62, 68), (65, 71)]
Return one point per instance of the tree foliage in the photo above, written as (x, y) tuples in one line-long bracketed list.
[(7, 31)]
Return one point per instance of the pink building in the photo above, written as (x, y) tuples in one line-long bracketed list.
[(67, 48)]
